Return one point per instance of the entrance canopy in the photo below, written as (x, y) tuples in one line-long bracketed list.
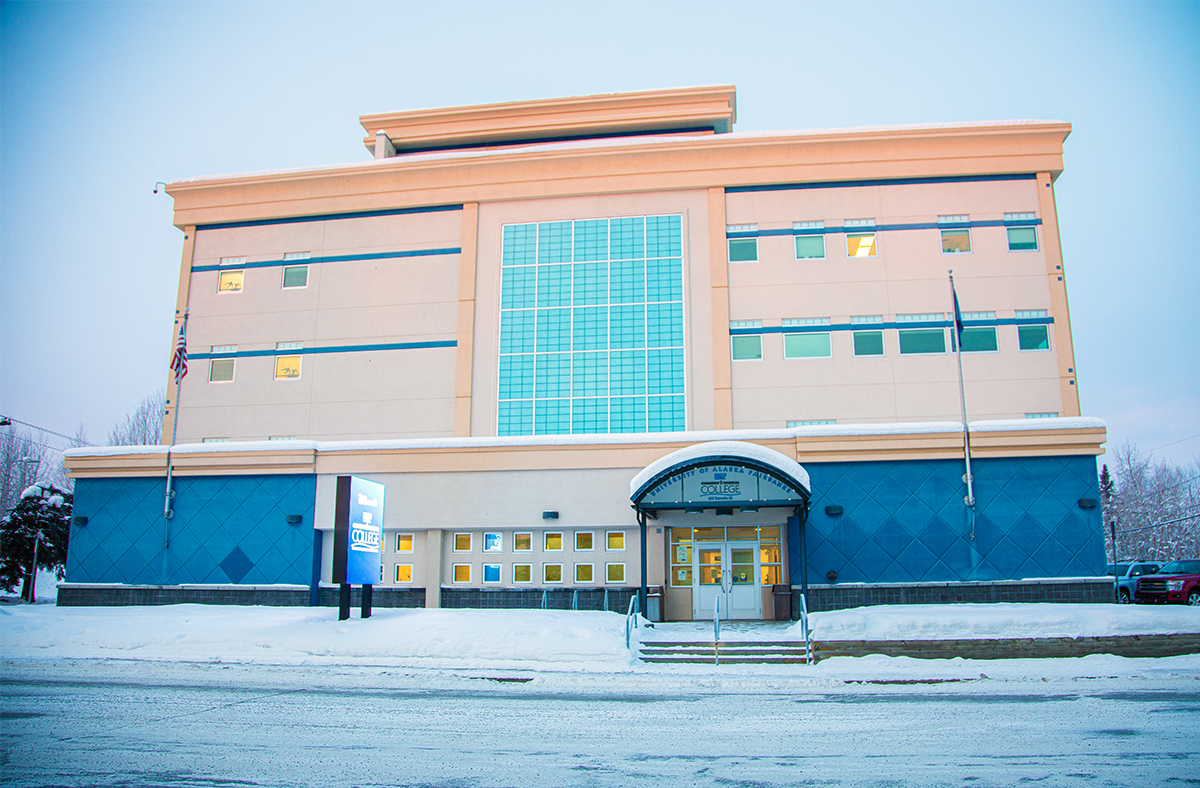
[(721, 474)]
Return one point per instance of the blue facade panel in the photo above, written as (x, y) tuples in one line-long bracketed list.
[(905, 521), (226, 529)]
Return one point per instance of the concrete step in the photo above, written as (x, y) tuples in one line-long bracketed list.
[(732, 652)]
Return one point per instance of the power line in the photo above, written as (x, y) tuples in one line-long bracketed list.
[(1172, 443), (71, 438), (1158, 525)]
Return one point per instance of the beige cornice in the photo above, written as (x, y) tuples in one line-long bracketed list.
[(632, 166)]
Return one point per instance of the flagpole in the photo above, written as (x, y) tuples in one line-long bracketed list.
[(179, 364), (962, 399)]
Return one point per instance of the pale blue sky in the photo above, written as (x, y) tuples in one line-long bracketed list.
[(98, 101)]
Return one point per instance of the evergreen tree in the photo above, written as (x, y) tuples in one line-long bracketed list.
[(43, 514)]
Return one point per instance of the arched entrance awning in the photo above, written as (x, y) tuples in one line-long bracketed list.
[(720, 475)]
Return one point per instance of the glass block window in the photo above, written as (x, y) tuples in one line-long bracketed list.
[(591, 327), (811, 422), (1041, 415)]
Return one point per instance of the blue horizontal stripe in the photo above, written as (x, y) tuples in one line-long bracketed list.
[(343, 258), (325, 217), (311, 351), (779, 187), (883, 228), (1003, 321)]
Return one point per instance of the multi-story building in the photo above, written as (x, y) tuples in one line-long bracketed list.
[(603, 343)]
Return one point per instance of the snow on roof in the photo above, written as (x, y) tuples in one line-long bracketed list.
[(695, 436), (750, 451), (617, 142)]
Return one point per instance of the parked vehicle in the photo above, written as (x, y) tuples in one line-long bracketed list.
[(1126, 576), (1178, 582)]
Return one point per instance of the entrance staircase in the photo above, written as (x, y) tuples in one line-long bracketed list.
[(725, 652)]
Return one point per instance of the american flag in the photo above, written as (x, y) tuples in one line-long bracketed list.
[(179, 357)]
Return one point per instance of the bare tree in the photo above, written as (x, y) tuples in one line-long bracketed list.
[(1153, 509), (143, 426)]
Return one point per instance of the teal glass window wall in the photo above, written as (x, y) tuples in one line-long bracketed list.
[(591, 327)]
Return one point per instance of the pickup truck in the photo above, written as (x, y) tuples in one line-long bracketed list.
[(1126, 577), (1178, 582)]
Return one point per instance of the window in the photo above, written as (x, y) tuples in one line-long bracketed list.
[(491, 573), (214, 440), (770, 559), (281, 438), (552, 573), (403, 573), (220, 370), (295, 276), (493, 543), (978, 339), (681, 557), (922, 340), (404, 543), (522, 542), (462, 543), (287, 366), (810, 244), (615, 573), (461, 573), (553, 541), (1033, 337), (522, 573), (615, 541), (584, 541), (858, 243), (867, 343), (811, 422), (1041, 415), (229, 282), (746, 348), (743, 250), (1022, 238), (591, 327), (806, 345), (584, 573), (955, 240)]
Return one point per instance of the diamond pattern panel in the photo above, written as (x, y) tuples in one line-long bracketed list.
[(906, 521), (224, 528)]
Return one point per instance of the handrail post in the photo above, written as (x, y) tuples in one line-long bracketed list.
[(808, 649), (717, 630)]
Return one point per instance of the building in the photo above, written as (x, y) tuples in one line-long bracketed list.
[(596, 344)]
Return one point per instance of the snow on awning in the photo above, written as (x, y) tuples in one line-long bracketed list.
[(721, 474)]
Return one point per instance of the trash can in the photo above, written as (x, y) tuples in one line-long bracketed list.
[(654, 603), (781, 595)]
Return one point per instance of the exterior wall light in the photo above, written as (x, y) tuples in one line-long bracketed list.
[(725, 512), (1088, 503), (79, 520), (295, 519), (693, 510), (833, 511)]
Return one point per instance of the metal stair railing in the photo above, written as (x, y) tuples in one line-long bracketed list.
[(805, 631), (631, 618), (717, 630)]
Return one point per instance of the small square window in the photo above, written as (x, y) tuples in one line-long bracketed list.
[(462, 543), (1032, 338), (583, 541), (746, 347), (552, 573), (492, 543), (287, 367), (585, 573), (814, 345), (229, 282), (616, 541), (522, 542), (860, 245), (615, 573), (1022, 239), (462, 573), (810, 247), (214, 440), (491, 573), (1042, 415), (220, 370), (297, 255), (956, 241), (295, 276), (404, 543), (868, 343), (403, 573), (553, 541), (522, 573), (743, 250), (922, 340)]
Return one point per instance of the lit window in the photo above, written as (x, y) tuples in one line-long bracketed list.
[(403, 573), (462, 573), (462, 543), (1032, 337), (492, 543), (295, 276), (585, 573), (522, 543), (491, 573), (220, 370), (616, 541), (522, 573), (229, 282), (287, 367), (956, 241), (743, 250), (681, 557), (404, 543), (1041, 415), (811, 422), (810, 244), (860, 245), (553, 541), (615, 573), (583, 541), (552, 573)]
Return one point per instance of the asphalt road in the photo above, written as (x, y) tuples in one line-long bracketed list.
[(85, 723)]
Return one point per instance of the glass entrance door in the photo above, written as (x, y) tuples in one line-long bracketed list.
[(728, 571)]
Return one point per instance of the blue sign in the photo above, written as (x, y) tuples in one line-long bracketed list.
[(358, 532)]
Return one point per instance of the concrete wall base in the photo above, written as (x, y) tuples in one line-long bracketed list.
[(841, 596), (116, 595), (531, 599)]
